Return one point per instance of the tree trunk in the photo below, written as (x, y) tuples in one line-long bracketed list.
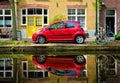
[(14, 27)]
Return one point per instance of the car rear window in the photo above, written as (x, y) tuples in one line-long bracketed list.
[(70, 24)]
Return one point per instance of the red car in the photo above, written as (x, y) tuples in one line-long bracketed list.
[(61, 66), (60, 31)]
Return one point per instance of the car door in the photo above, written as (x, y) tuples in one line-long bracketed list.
[(56, 31), (70, 29)]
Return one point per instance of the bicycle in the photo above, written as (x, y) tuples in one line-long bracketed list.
[(104, 36)]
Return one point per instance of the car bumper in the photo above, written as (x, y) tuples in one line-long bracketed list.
[(34, 37)]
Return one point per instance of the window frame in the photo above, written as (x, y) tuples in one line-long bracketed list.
[(6, 71), (34, 14), (76, 15), (3, 15), (31, 70)]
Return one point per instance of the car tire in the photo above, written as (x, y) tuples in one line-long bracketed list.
[(41, 58), (80, 59), (41, 39), (79, 39)]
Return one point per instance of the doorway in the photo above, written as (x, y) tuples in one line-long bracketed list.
[(110, 21), (34, 23)]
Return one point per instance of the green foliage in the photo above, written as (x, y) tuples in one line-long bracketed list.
[(14, 42), (58, 17), (99, 4), (117, 36)]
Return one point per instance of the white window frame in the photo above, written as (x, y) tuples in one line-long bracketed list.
[(26, 9), (4, 71), (76, 16), (115, 16), (28, 70), (4, 15)]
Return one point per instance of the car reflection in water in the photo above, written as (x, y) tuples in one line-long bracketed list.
[(71, 66)]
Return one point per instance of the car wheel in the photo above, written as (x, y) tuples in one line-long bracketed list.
[(41, 39), (79, 39), (41, 58), (80, 59)]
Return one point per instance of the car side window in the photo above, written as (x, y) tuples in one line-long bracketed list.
[(59, 25), (70, 24)]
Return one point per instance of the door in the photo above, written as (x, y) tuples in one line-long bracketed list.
[(110, 23), (56, 31), (34, 23)]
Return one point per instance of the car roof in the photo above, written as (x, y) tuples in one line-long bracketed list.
[(66, 21)]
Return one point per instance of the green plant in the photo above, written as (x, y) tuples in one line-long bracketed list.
[(58, 17), (14, 42), (99, 4), (117, 36)]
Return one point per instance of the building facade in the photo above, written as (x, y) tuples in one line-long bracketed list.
[(109, 16), (35, 14)]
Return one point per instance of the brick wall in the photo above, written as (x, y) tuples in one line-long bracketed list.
[(4, 4), (114, 4)]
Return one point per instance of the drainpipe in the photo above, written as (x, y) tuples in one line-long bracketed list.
[(96, 31)]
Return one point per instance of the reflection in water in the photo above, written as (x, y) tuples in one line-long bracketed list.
[(43, 68), (61, 66)]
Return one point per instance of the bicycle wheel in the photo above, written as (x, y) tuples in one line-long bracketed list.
[(110, 36), (102, 59), (111, 60), (100, 40)]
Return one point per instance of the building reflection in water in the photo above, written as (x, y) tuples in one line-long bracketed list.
[(96, 68)]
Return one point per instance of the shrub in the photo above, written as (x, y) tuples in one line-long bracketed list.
[(58, 17), (117, 37)]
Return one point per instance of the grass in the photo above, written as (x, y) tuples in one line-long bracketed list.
[(14, 43)]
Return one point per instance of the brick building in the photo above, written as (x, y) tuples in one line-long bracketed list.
[(109, 15)]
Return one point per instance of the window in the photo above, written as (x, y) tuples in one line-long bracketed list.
[(34, 12), (6, 68), (29, 70), (7, 12), (5, 18), (78, 15), (70, 24), (110, 12), (57, 26), (1, 12)]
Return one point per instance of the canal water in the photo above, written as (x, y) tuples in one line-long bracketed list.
[(60, 67)]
